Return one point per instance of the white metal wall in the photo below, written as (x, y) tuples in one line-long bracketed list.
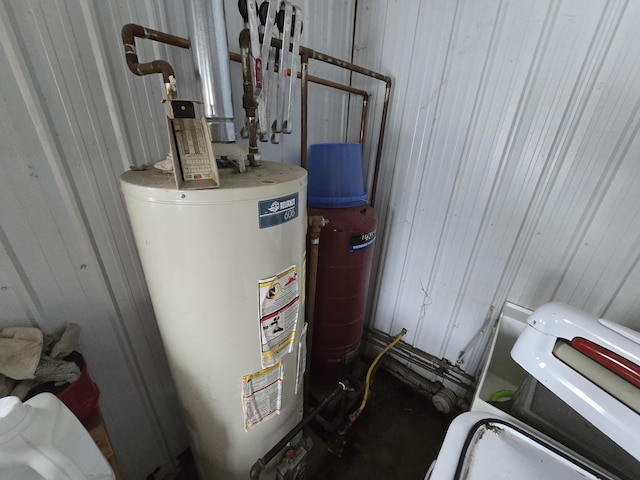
[(67, 254), (73, 119), (511, 168)]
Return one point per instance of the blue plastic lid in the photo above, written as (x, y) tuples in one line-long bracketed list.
[(335, 175)]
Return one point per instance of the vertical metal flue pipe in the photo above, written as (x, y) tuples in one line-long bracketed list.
[(211, 58)]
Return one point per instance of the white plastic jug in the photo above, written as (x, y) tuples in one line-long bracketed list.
[(41, 439)]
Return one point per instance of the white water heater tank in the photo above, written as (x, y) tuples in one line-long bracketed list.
[(225, 270)]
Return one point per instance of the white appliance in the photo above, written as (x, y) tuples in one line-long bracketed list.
[(580, 381), (225, 270), (41, 439)]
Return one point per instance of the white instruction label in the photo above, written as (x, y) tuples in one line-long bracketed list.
[(279, 303), (262, 395)]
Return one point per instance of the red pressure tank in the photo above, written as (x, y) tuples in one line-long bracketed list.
[(336, 192), (344, 265)]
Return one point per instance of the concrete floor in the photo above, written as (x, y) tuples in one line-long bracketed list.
[(397, 436)]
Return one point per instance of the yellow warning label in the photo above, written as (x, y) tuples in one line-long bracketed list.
[(279, 305)]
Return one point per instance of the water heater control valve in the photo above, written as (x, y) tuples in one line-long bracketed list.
[(294, 463)]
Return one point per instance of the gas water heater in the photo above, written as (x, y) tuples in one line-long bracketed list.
[(225, 270), (223, 249)]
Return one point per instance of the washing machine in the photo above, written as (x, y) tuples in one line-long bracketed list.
[(571, 406)]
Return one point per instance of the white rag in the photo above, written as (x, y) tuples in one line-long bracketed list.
[(67, 343), (20, 349)]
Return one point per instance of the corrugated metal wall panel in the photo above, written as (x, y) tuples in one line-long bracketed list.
[(74, 118), (64, 228), (409, 125), (591, 210), (510, 131)]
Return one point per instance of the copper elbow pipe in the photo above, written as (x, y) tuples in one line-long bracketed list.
[(129, 34)]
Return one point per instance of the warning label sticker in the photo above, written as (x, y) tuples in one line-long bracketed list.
[(278, 210), (262, 395), (279, 298)]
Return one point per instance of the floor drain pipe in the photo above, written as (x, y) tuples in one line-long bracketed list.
[(260, 465)]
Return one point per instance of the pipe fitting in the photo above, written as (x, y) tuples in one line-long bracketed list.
[(316, 224), (248, 100), (444, 400), (262, 462)]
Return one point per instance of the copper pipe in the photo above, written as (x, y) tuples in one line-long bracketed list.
[(236, 57), (277, 43), (129, 34), (338, 86), (363, 71), (304, 113), (316, 224), (387, 95), (309, 53), (383, 123), (363, 121)]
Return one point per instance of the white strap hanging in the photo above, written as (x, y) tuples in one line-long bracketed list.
[(287, 124), (283, 78), (268, 58), (256, 53)]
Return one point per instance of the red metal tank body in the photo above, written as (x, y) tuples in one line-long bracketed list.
[(344, 266)]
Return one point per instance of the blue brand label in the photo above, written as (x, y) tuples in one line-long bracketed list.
[(361, 242), (277, 211)]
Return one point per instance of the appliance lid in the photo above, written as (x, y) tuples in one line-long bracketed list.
[(478, 446), (592, 364)]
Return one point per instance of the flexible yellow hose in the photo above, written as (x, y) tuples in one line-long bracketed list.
[(373, 364)]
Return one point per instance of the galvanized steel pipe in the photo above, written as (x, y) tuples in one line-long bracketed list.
[(210, 47)]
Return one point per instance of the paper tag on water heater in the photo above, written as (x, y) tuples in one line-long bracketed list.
[(262, 395), (361, 242), (278, 210)]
